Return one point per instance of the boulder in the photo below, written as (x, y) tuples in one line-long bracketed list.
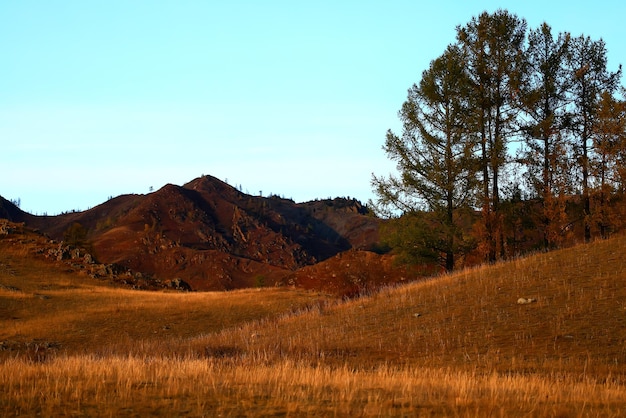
[(178, 284)]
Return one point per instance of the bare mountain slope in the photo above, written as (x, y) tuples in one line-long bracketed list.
[(212, 235)]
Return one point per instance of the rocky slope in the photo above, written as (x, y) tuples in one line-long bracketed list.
[(211, 235)]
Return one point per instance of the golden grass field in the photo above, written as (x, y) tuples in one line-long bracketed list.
[(454, 345)]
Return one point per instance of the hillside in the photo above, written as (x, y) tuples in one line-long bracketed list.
[(575, 322), (53, 304), (211, 235), (458, 344)]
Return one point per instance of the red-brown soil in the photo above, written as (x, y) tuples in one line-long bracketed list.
[(354, 273), (214, 237)]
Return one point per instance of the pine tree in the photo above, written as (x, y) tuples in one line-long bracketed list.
[(590, 78), (543, 100), (434, 158), (610, 149), (493, 45)]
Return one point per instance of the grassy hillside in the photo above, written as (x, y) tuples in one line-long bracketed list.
[(45, 306), (472, 319), (453, 345)]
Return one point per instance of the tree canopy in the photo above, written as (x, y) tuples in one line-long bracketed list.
[(511, 140)]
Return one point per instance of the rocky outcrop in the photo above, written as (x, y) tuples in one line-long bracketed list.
[(178, 284), (6, 228), (209, 234), (30, 243), (353, 273)]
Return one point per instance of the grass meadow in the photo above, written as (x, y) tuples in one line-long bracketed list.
[(452, 345)]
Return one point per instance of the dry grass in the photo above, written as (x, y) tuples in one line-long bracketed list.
[(472, 320), (131, 386), (104, 320), (42, 303), (456, 345)]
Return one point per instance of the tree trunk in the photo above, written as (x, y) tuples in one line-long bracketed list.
[(449, 261), (586, 198), (487, 214)]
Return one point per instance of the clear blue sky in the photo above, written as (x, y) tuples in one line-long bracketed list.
[(102, 98)]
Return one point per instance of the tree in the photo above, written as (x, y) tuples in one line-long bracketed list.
[(75, 235), (543, 100), (493, 87), (590, 78), (609, 136), (434, 158), (493, 45)]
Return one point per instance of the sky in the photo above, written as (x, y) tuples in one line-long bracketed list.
[(293, 98)]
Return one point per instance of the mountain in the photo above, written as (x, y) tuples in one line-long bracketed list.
[(8, 210), (210, 234)]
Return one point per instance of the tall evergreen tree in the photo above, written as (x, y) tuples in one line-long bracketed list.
[(488, 89), (434, 157), (590, 78), (609, 138), (543, 100), (493, 45)]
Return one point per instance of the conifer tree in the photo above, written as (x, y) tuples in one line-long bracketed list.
[(609, 167), (590, 78), (543, 100), (492, 87), (434, 158), (493, 45)]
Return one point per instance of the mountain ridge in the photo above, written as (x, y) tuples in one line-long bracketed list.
[(212, 235)]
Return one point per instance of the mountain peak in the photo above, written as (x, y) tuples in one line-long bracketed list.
[(10, 211), (211, 235), (209, 183)]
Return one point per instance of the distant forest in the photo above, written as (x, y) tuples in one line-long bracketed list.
[(512, 141)]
